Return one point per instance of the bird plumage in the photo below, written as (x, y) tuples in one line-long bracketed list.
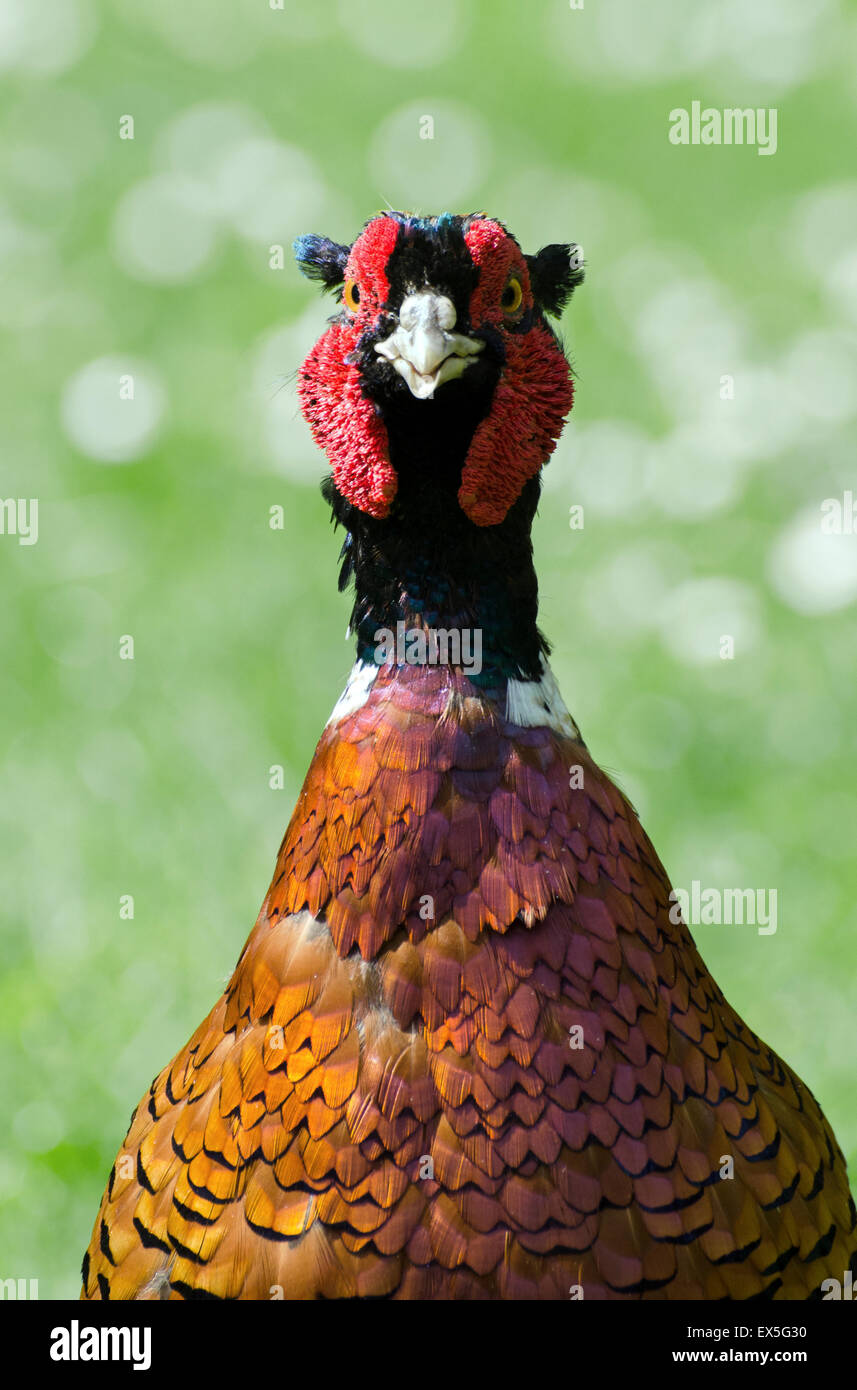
[(466, 1051)]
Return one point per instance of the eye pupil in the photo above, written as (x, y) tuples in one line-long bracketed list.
[(352, 294)]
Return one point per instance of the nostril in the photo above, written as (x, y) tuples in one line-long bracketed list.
[(408, 314), (446, 314)]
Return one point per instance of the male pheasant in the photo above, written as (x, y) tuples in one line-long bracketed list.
[(469, 1050)]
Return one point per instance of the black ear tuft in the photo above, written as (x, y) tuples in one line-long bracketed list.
[(555, 274), (321, 259)]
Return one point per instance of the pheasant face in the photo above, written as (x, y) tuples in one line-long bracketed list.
[(467, 1050), (442, 328)]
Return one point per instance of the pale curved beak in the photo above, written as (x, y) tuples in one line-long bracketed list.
[(423, 349)]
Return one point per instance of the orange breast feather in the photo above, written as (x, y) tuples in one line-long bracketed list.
[(466, 1053)]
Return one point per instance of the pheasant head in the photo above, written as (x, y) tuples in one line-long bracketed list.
[(442, 335)]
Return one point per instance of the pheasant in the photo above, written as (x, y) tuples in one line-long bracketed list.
[(470, 1049)]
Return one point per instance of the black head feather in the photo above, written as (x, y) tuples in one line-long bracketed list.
[(555, 273), (321, 259)]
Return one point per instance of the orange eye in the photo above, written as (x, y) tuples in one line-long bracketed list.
[(351, 295), (513, 295)]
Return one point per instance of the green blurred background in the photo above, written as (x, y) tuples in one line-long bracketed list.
[(151, 257)]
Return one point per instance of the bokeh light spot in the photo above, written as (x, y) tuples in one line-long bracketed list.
[(697, 615), (162, 231), (404, 36), (813, 571), (99, 417), (434, 175)]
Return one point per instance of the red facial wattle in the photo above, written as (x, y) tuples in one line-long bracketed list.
[(344, 422), (532, 397)]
